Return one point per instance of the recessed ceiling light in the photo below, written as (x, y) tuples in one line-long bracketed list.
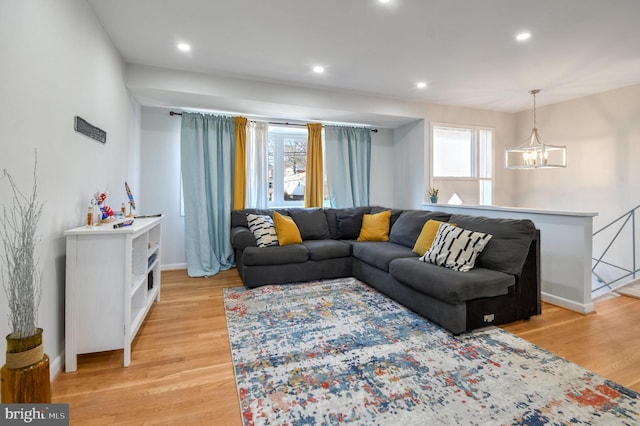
[(185, 47), (421, 85), (523, 36), (384, 1), (318, 69)]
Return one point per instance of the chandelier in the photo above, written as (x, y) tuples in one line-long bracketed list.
[(534, 154)]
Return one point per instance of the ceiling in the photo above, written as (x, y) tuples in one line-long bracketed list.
[(465, 50)]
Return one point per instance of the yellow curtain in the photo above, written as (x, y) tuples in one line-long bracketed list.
[(313, 190), (240, 169)]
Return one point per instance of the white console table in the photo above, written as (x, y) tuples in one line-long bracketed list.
[(112, 279)]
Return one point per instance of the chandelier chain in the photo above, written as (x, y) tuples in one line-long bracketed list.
[(534, 110), (534, 92)]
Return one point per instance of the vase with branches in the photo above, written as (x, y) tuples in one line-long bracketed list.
[(433, 194), (25, 375), (22, 284)]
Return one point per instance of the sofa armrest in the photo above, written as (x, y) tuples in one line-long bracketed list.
[(242, 238), (528, 282)]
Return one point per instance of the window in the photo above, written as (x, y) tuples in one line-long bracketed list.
[(287, 164), (461, 163)]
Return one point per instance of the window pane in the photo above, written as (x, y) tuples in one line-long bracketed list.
[(271, 155), (462, 163), (287, 157), (295, 166), (485, 192), (452, 152), (484, 139)]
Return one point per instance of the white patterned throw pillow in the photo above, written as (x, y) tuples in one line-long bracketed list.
[(456, 248), (263, 229)]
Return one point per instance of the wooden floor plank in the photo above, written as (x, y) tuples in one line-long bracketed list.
[(181, 370)]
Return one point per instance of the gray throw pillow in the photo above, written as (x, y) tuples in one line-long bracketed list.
[(349, 225)]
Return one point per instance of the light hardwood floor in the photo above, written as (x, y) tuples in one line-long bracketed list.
[(181, 371)]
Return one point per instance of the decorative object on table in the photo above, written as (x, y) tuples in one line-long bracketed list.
[(25, 374), (123, 224), (90, 212), (106, 213), (132, 203), (337, 351), (534, 154), (433, 195)]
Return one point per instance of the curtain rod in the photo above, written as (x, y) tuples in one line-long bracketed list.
[(172, 113)]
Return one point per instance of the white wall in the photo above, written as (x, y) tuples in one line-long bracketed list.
[(409, 165), (160, 180), (411, 150), (57, 63), (602, 135)]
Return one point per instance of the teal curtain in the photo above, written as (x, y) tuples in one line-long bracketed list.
[(207, 148), (348, 163)]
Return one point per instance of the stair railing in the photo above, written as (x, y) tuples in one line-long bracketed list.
[(623, 220)]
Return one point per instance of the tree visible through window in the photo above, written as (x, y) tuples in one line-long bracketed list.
[(462, 163), (287, 152)]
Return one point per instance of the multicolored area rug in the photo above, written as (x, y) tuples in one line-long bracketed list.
[(337, 351)]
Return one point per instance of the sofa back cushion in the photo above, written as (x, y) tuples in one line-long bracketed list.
[(239, 217), (409, 224), (312, 223), (508, 249)]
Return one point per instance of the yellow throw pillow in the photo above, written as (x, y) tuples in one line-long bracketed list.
[(375, 227), (286, 229), (426, 237)]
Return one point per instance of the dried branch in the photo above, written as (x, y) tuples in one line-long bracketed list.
[(21, 279)]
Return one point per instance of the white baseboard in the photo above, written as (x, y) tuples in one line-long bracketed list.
[(55, 366), (173, 266), (628, 283), (583, 308)]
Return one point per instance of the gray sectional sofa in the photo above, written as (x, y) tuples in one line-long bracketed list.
[(503, 286)]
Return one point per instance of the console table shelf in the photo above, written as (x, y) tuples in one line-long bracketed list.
[(113, 278)]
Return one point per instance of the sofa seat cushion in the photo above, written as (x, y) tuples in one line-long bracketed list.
[(276, 255), (448, 285), (380, 254), (327, 249)]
